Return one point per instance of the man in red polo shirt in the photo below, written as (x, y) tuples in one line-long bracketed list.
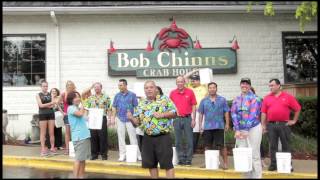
[(185, 102), (276, 108)]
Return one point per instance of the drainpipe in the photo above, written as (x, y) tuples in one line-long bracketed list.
[(57, 52)]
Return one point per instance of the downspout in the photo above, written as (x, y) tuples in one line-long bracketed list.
[(57, 52)]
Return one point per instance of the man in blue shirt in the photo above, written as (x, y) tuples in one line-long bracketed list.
[(123, 102), (215, 109)]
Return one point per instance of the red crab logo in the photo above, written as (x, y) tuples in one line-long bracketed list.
[(173, 37)]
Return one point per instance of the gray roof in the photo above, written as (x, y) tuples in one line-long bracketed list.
[(133, 3)]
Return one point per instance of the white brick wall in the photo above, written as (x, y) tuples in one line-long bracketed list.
[(84, 40)]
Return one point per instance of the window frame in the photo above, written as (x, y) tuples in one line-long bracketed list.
[(294, 33), (45, 56)]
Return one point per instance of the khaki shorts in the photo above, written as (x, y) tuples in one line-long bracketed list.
[(82, 149)]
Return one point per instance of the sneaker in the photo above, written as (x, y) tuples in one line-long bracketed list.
[(121, 159), (272, 168), (181, 163)]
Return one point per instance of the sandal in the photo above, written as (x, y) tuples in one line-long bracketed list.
[(44, 153), (66, 152), (53, 151)]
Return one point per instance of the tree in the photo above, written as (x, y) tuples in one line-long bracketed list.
[(304, 12)]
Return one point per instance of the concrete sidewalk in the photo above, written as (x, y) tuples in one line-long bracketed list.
[(29, 156)]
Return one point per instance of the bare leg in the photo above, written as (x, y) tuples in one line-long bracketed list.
[(43, 131), (82, 169), (67, 137), (51, 133), (154, 173), (76, 169), (170, 173), (224, 154)]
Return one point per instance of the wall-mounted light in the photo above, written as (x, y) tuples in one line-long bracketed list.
[(197, 44), (234, 41), (149, 47), (111, 49)]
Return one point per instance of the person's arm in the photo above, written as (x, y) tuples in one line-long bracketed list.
[(295, 118), (86, 91), (264, 122), (167, 115), (235, 120), (47, 105), (297, 108), (186, 76), (113, 111), (80, 112), (264, 109), (226, 110), (194, 107), (134, 120), (193, 121), (200, 117), (227, 118), (200, 122)]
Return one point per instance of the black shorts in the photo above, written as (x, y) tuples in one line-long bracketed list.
[(65, 120), (46, 117), (157, 149), (213, 137)]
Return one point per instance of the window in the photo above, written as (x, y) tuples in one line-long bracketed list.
[(300, 56), (24, 60)]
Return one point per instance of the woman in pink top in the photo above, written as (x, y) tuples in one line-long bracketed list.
[(70, 87)]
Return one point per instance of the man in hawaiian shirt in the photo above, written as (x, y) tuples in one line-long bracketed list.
[(154, 115), (99, 137)]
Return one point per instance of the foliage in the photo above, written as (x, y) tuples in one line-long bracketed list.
[(307, 122), (304, 12), (268, 10)]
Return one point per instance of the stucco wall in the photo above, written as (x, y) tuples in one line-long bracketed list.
[(84, 40)]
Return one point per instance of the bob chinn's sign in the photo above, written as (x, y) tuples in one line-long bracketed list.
[(173, 55)]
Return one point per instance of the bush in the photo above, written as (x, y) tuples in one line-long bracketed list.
[(307, 122)]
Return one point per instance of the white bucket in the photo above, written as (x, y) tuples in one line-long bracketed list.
[(131, 153), (242, 157), (174, 156), (283, 162), (71, 149), (212, 159)]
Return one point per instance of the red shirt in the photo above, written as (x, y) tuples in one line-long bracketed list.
[(278, 108), (65, 104), (183, 101)]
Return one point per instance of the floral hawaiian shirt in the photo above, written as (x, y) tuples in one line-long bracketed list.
[(103, 102), (151, 125)]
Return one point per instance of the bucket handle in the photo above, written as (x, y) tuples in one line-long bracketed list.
[(248, 142)]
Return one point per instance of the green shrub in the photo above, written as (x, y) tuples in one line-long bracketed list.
[(307, 122)]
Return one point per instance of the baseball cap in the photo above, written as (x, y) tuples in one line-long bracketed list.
[(195, 77), (247, 80)]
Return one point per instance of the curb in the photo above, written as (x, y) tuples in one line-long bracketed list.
[(134, 169)]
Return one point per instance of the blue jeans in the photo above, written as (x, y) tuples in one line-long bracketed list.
[(182, 128)]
